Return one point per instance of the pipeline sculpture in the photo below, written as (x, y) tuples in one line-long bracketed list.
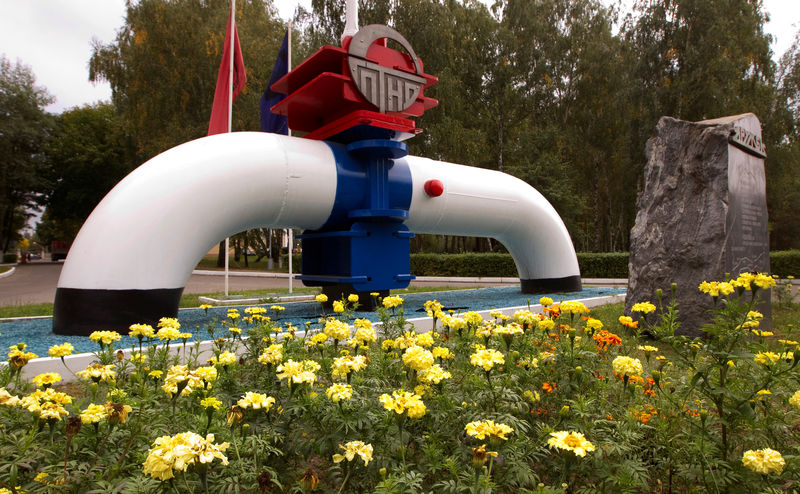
[(356, 195)]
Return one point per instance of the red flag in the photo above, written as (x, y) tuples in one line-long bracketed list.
[(219, 111)]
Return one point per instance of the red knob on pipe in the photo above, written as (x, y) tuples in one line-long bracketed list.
[(434, 188)]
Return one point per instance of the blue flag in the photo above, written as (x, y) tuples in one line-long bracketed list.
[(271, 122)]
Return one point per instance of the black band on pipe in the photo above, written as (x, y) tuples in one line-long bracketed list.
[(550, 285), (79, 311)]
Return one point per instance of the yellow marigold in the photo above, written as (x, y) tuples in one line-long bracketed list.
[(487, 358), (342, 366), (352, 298), (531, 396), (141, 331), (402, 401), (486, 330), (8, 399), (442, 353), (168, 333), (794, 400), (256, 401), (525, 317), (105, 337), (169, 322), (208, 373), (573, 307), (321, 298), (338, 306), (788, 342), (387, 345), (298, 372), (766, 358), (512, 329), (392, 302), (417, 358), (138, 358), (52, 411), (764, 461), (353, 448), (337, 329), (206, 306), (117, 412), (316, 340), (570, 441), (179, 376), (62, 350), (46, 379), (647, 348), (546, 324), (473, 318), (424, 340), (176, 453), (339, 392), (433, 374), (627, 366), (546, 301), (594, 324), (97, 373), (364, 331), (155, 374), (433, 308), (643, 307), (273, 354), (211, 402), (481, 429), (224, 359)]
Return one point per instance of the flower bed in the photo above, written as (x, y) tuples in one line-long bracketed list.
[(536, 401)]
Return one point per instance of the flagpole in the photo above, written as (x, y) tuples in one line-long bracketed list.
[(289, 131), (230, 123)]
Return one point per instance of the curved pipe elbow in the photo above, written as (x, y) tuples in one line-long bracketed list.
[(136, 251), (488, 203)]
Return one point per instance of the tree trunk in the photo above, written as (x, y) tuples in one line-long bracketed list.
[(221, 255)]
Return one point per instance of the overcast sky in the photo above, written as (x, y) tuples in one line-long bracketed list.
[(53, 37)]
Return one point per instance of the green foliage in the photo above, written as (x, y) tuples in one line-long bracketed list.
[(24, 128), (176, 46), (682, 422), (463, 265), (603, 265), (87, 155), (785, 263)]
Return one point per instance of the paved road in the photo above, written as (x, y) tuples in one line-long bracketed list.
[(36, 283)]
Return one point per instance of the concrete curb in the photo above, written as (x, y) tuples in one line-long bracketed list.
[(8, 273), (429, 279)]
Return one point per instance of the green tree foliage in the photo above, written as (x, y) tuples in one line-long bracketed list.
[(24, 128), (88, 154), (163, 66), (783, 162), (546, 90)]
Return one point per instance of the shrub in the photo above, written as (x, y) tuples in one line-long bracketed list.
[(527, 402)]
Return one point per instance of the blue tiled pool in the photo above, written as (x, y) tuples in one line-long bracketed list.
[(38, 335)]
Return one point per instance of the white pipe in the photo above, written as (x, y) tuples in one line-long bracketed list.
[(153, 227), (487, 203), (145, 237)]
